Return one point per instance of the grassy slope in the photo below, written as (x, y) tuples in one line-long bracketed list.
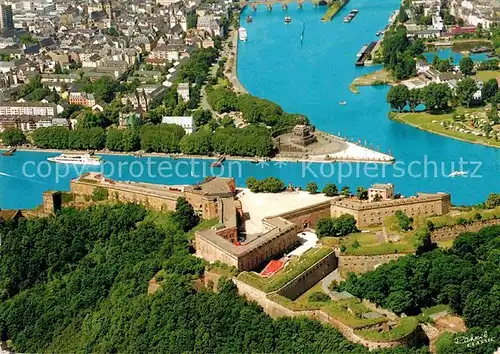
[(423, 120)]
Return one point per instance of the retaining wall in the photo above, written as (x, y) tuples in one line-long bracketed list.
[(451, 232), (363, 264), (296, 287)]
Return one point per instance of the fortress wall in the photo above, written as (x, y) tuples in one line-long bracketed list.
[(368, 214), (311, 276), (363, 264), (212, 253), (451, 232), (117, 194), (308, 216), (275, 310)]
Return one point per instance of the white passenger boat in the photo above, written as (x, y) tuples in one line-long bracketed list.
[(84, 159), (458, 173), (242, 32)]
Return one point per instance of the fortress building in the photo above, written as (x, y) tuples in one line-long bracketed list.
[(253, 228)]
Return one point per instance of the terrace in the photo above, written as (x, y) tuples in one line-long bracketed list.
[(295, 267)]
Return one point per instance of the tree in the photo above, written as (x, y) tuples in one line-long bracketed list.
[(493, 200), (493, 115), (184, 215), (490, 88), (99, 194), (403, 16), (466, 66), (403, 220), (330, 190), (192, 20), (400, 301), (345, 191), (201, 117), (466, 88), (267, 185), (436, 97), (414, 98), (13, 137), (318, 296), (398, 97), (362, 193), (312, 188), (346, 224)]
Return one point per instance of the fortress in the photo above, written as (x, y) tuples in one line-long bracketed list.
[(253, 228)]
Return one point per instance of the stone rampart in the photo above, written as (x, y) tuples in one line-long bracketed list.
[(300, 284), (363, 264), (308, 216), (275, 310), (446, 233)]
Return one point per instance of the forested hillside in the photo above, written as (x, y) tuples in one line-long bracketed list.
[(77, 282)]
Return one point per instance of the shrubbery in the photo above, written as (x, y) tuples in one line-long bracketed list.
[(267, 185), (343, 225)]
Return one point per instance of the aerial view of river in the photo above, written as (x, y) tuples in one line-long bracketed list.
[(308, 77)]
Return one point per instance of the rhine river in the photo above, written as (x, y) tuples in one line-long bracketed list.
[(308, 78)]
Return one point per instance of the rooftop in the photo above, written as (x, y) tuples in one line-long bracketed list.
[(260, 205)]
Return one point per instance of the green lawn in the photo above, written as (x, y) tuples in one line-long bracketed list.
[(332, 10), (486, 75), (289, 304), (222, 269), (429, 311), (363, 238), (382, 248), (295, 267), (424, 121), (304, 298), (353, 318), (406, 326), (450, 220)]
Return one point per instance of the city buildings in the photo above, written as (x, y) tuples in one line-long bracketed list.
[(6, 21), (186, 123), (183, 91)]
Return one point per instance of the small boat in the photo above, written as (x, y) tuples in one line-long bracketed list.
[(458, 173), (362, 51), (249, 19), (219, 162), (477, 50), (288, 19), (242, 32), (255, 160), (10, 152), (378, 33), (76, 159), (342, 102)]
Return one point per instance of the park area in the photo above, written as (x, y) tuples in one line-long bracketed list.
[(464, 124)]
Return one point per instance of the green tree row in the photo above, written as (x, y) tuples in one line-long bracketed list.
[(438, 97)]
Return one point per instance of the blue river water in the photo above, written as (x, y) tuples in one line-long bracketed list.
[(446, 53), (308, 78)]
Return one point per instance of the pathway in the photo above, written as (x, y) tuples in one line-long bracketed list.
[(335, 275)]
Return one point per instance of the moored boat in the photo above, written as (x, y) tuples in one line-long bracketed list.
[(249, 19), (288, 19), (242, 32), (76, 159), (10, 152)]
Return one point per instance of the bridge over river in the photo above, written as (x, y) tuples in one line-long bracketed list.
[(284, 3)]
